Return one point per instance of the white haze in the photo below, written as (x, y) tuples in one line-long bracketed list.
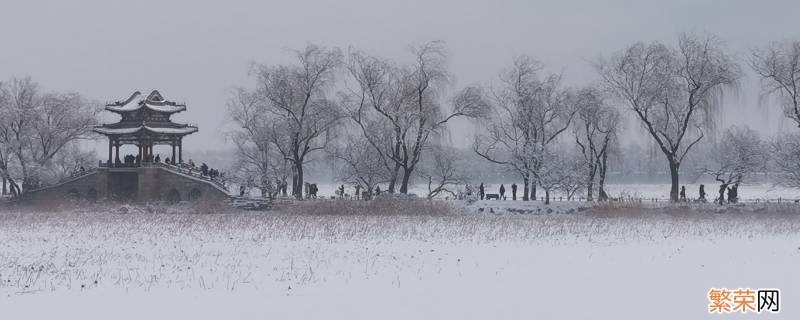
[(197, 51)]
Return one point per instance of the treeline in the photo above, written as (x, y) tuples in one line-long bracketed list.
[(39, 131), (383, 121)]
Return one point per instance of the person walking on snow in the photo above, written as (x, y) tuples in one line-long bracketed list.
[(502, 192), (480, 190)]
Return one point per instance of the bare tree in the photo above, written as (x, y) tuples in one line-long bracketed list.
[(70, 161), (739, 154), (376, 105), (595, 127), (399, 108), (298, 116), (527, 114), (560, 170), (573, 174), (36, 126), (785, 152), (442, 170), (778, 65), (257, 161), (361, 165), (673, 92)]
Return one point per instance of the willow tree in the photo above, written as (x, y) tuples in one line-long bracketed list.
[(673, 91), (35, 127), (778, 66), (400, 108), (294, 109), (527, 114), (595, 128)]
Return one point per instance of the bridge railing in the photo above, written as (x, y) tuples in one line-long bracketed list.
[(187, 170), (77, 174)]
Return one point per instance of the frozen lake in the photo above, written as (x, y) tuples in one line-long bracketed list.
[(93, 264)]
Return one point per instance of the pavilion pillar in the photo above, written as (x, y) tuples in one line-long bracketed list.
[(180, 151), (110, 151), (116, 146), (173, 152)]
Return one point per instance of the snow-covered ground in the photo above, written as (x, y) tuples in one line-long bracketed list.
[(647, 191), (100, 264)]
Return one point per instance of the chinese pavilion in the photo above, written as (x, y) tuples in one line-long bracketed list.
[(145, 123)]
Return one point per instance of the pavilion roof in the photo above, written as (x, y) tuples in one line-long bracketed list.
[(154, 101), (183, 130)]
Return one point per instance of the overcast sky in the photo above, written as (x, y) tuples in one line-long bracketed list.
[(195, 51)]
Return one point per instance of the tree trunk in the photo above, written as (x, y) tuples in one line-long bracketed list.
[(526, 183), (533, 191), (601, 191), (673, 172), (299, 195), (295, 186), (5, 188), (15, 191), (590, 184), (546, 196), (393, 179), (404, 183)]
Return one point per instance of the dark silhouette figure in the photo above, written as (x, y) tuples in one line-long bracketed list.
[(377, 191), (204, 169), (241, 190), (167, 161), (514, 191), (733, 194), (702, 193), (313, 190), (341, 192), (683, 193), (481, 191), (502, 192), (358, 191), (158, 158), (721, 198)]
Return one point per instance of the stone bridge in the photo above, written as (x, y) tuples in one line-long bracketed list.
[(135, 184)]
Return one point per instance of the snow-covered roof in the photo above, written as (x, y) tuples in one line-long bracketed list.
[(120, 131), (154, 101)]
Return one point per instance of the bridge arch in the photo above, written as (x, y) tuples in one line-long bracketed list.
[(194, 194), (91, 195), (73, 194), (173, 196)]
